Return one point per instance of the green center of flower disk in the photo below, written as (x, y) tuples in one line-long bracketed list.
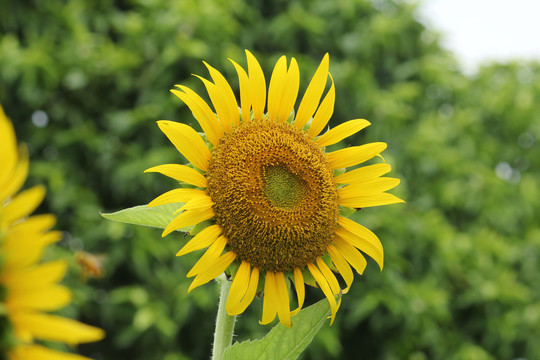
[(274, 195)]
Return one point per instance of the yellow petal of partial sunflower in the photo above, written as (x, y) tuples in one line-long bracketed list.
[(329, 276), (342, 131), (38, 352), (198, 203), (366, 236), (282, 299), (181, 195), (349, 252), (313, 94), (257, 86), (14, 179), (300, 290), (269, 299), (26, 250), (220, 104), (371, 187), (217, 267), (370, 200), (56, 328), (188, 218), (43, 298), (342, 266), (238, 289), (363, 174), (324, 112), (34, 224), (187, 142), (290, 91), (245, 91), (8, 150), (227, 93), (251, 291), (202, 113), (181, 173), (376, 253), (34, 277), (213, 252), (23, 204), (354, 155), (275, 89), (323, 284), (202, 240)]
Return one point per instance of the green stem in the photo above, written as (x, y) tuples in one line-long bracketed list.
[(224, 323)]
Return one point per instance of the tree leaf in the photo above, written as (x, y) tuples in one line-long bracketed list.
[(283, 343), (157, 216)]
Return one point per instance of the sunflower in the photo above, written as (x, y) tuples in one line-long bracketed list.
[(265, 191), (29, 288)]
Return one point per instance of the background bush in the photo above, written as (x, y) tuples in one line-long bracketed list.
[(84, 82)]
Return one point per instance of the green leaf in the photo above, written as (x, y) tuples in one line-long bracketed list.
[(157, 216), (281, 342)]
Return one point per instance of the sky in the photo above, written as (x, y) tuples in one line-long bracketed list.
[(484, 30)]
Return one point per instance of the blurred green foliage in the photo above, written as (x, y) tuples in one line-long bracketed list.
[(84, 82)]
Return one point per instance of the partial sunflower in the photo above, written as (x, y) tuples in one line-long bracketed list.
[(29, 288), (267, 191)]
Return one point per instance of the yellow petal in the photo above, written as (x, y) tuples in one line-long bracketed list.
[(282, 299), (213, 252), (324, 112), (214, 270), (56, 328), (42, 298), (37, 352), (371, 187), (275, 89), (220, 104), (226, 92), (290, 91), (188, 218), (197, 203), (34, 224), (177, 196), (13, 179), (245, 91), (238, 289), (270, 299), (250, 293), (342, 266), (342, 131), (354, 155), (202, 240), (363, 174), (300, 290), (370, 200), (257, 86), (187, 142), (181, 173), (329, 276), (23, 204), (8, 150), (323, 284), (313, 94), (366, 239), (26, 250), (34, 277), (350, 254), (202, 113)]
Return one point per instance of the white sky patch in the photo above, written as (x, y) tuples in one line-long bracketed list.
[(479, 31)]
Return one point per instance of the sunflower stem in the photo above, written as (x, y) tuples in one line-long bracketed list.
[(224, 323)]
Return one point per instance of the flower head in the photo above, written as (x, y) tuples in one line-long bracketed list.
[(29, 288), (266, 189)]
